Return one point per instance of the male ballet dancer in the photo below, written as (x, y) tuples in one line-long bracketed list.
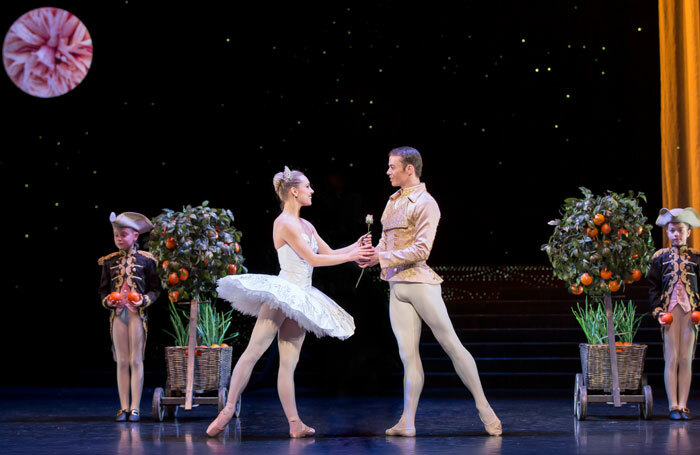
[(409, 224)]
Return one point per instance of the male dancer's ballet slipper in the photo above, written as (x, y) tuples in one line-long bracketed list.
[(494, 427), (305, 431), (406, 432), (219, 424)]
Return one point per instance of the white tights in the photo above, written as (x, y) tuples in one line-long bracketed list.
[(408, 304), (679, 346), (290, 337), (128, 353)]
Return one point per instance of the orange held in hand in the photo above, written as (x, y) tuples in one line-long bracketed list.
[(586, 279), (695, 317), (666, 318), (598, 219), (134, 297), (115, 297)]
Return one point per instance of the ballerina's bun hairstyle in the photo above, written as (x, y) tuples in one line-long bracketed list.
[(284, 181)]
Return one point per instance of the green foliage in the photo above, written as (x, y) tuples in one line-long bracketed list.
[(212, 325), (204, 242), (573, 252), (594, 323), (182, 332)]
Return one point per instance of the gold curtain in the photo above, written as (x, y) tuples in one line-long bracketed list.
[(679, 50)]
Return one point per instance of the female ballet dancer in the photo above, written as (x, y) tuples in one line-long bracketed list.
[(287, 305)]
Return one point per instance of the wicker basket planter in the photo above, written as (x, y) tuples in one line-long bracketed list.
[(595, 363), (212, 368)]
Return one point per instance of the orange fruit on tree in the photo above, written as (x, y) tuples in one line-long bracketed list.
[(614, 286), (183, 274), (115, 296), (586, 279), (174, 296), (636, 274), (605, 229), (576, 289), (621, 232), (598, 219), (634, 255), (640, 230), (592, 233), (236, 247), (605, 274), (173, 279), (170, 243), (165, 265), (232, 269), (134, 297)]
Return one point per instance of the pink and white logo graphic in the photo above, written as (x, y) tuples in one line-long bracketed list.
[(47, 52)]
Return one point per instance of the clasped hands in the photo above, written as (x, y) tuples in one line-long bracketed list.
[(124, 301), (368, 255)]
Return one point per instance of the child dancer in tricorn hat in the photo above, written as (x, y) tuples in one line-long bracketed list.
[(674, 300), (129, 284)]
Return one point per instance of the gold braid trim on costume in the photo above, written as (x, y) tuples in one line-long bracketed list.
[(656, 312), (659, 253), (101, 261), (148, 255)]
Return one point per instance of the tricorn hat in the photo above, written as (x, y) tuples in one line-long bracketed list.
[(133, 220), (687, 215)]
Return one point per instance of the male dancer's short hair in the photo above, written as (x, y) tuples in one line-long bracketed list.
[(411, 156)]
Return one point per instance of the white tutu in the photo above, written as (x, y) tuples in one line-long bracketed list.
[(312, 309), (290, 292)]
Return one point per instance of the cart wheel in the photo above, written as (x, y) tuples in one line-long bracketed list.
[(223, 393), (646, 409), (578, 383), (582, 402), (158, 408)]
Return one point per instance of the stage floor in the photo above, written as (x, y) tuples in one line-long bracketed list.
[(79, 421)]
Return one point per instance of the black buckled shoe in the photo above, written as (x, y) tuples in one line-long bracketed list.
[(121, 415), (134, 415), (685, 414), (675, 414)]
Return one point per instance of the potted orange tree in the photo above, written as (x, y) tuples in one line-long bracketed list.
[(195, 247), (600, 245)]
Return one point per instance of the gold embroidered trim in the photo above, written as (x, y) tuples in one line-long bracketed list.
[(148, 255), (101, 261)]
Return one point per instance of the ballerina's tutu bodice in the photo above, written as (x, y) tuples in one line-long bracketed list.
[(292, 267), (290, 291)]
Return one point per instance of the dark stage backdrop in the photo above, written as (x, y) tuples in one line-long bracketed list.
[(514, 105)]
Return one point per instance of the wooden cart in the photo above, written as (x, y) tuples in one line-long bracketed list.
[(607, 380), (187, 393)]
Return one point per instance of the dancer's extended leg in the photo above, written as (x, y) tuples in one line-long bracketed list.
[(137, 338), (120, 338), (406, 325), (266, 327), (289, 339), (428, 303)]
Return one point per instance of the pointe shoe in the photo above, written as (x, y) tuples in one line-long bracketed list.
[(219, 424), (305, 432), (494, 427), (405, 432)]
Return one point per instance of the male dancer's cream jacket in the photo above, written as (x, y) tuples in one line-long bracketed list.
[(409, 224)]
